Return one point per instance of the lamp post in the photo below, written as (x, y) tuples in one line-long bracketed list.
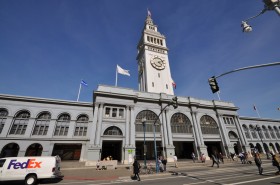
[(174, 103), (268, 5), (258, 128), (145, 148)]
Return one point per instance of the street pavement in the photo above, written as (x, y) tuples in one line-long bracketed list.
[(230, 173), (188, 173)]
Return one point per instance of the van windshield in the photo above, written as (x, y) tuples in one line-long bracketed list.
[(2, 162)]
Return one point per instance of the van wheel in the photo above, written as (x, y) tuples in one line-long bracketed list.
[(31, 180)]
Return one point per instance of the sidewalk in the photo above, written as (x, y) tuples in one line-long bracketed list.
[(74, 170)]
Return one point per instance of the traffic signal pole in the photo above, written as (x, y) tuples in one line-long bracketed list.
[(214, 85), (249, 67)]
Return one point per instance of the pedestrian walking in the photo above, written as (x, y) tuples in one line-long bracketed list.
[(175, 161), (193, 157), (164, 162), (160, 165), (136, 169), (258, 162), (242, 159), (203, 158), (232, 155), (275, 162), (98, 165), (221, 157), (215, 160)]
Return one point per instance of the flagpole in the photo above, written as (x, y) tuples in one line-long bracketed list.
[(79, 92), (116, 77), (258, 112), (218, 94)]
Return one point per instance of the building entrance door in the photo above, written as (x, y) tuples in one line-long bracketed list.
[(111, 149), (183, 149), (213, 146)]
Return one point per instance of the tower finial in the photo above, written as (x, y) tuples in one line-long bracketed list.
[(149, 13)]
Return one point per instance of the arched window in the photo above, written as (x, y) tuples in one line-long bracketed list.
[(62, 125), (271, 131), (10, 150), (113, 131), (3, 117), (150, 118), (246, 131), (208, 125), (265, 132), (278, 147), (34, 150), (232, 135), (276, 131), (180, 123), (42, 124), (20, 123), (81, 126), (253, 132), (259, 148)]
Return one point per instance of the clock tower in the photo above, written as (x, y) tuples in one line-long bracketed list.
[(153, 64)]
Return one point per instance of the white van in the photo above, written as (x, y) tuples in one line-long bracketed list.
[(30, 169)]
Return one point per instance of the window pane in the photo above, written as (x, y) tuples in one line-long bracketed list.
[(121, 113), (107, 112)]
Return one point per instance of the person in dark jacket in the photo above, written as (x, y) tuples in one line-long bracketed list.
[(164, 162), (258, 162), (275, 162), (215, 159), (136, 169)]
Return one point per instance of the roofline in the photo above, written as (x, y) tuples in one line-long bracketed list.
[(43, 100)]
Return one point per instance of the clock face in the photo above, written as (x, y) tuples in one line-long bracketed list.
[(158, 63)]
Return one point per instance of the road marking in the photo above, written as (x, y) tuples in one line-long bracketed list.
[(215, 181), (244, 182), (118, 181)]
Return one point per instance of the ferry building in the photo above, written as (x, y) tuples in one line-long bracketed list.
[(119, 120)]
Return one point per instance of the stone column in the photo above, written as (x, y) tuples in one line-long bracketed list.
[(51, 148), (94, 124), (129, 148), (224, 134), (93, 152), (201, 147), (51, 128), (164, 136), (99, 125), (132, 130), (71, 130), (168, 128), (82, 155), (241, 134), (7, 125), (127, 128), (29, 128), (195, 136)]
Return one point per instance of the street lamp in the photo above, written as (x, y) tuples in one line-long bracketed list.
[(145, 148), (174, 103), (268, 5), (258, 128)]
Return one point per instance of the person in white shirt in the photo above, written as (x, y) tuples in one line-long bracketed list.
[(175, 161)]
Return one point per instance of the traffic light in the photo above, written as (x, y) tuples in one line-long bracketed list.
[(213, 84), (175, 102)]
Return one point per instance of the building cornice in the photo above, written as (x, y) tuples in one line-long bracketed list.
[(44, 100)]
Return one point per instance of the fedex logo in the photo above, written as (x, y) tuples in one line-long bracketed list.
[(30, 163)]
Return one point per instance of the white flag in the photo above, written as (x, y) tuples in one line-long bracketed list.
[(122, 71)]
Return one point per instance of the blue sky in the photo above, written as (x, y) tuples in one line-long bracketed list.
[(47, 47)]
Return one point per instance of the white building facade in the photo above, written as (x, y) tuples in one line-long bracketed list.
[(120, 120)]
